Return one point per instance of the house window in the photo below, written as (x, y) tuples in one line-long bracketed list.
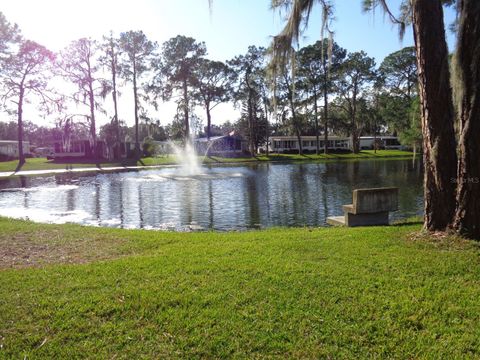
[(341, 143)]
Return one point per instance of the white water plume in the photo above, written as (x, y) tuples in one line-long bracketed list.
[(188, 159)]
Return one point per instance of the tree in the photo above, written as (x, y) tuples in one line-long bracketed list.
[(318, 69), (138, 52), (412, 135), (9, 35), (398, 80), (439, 151), (25, 74), (213, 83), (398, 72), (356, 74), (250, 88), (109, 59), (286, 94), (181, 58), (467, 86), (436, 105), (435, 93), (298, 16), (9, 130), (77, 64)]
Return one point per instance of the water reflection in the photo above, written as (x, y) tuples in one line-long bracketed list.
[(222, 198)]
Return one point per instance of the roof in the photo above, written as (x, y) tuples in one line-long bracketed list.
[(378, 137), (215, 138), (308, 137), (9, 142)]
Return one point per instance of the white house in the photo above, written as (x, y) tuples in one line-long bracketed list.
[(383, 142), (285, 144), (9, 148)]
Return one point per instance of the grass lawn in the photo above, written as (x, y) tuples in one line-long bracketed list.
[(44, 164), (68, 291)]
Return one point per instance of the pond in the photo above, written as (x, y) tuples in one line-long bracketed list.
[(221, 197)]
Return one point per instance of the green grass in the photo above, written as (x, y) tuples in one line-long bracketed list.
[(385, 292), (365, 154), (44, 164)]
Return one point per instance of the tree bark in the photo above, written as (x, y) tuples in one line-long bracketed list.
[(299, 135), (437, 114), (295, 124), (135, 97), (21, 155), (355, 135), (113, 65), (251, 115), (93, 131), (267, 130), (251, 123), (185, 111), (317, 136), (325, 105), (209, 120), (467, 71)]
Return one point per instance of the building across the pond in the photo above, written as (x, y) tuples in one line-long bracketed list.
[(289, 144), (226, 146), (9, 148), (82, 149), (383, 142)]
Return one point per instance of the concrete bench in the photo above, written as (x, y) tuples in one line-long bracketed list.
[(370, 207)]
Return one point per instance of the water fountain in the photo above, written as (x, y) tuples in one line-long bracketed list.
[(191, 162), (187, 156)]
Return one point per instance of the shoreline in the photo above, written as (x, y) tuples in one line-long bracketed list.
[(149, 162)]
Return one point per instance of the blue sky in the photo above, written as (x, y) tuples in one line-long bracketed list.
[(228, 30)]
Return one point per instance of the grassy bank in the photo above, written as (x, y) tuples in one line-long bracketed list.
[(69, 291), (44, 164)]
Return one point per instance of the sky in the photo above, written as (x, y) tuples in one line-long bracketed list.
[(228, 28)]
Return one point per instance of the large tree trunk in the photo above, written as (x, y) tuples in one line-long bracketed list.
[(135, 98), (267, 130), (185, 111), (21, 155), (467, 219), (355, 131), (93, 131), (315, 111), (209, 120), (251, 136), (437, 114), (113, 64), (325, 106), (355, 141), (251, 117), (296, 126), (299, 139)]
